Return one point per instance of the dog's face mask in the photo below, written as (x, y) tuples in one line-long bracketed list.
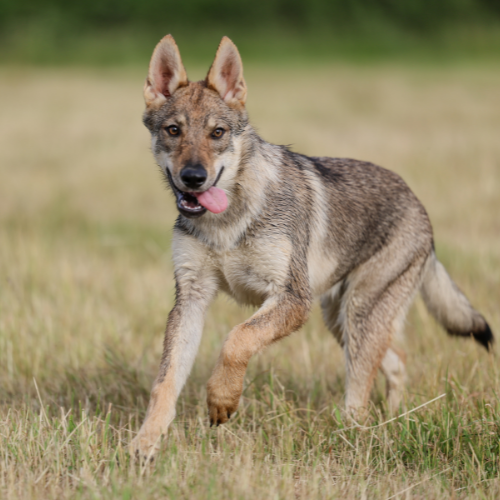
[(195, 126)]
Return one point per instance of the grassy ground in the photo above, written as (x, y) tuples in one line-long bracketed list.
[(86, 285)]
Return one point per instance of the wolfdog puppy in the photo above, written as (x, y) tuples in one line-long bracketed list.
[(276, 229)]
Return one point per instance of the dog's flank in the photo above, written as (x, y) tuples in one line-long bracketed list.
[(276, 229)]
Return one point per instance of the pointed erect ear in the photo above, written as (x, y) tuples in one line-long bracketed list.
[(166, 73), (226, 74)]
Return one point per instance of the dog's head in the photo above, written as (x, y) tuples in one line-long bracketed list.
[(196, 126)]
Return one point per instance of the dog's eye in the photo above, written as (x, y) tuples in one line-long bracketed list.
[(173, 130), (218, 133)]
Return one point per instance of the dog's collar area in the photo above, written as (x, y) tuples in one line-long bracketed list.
[(187, 204)]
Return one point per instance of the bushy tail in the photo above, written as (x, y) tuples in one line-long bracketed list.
[(451, 307)]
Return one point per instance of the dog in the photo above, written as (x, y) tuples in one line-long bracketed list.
[(275, 229)]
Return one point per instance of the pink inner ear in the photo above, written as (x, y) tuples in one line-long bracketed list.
[(164, 77), (227, 70), (229, 73)]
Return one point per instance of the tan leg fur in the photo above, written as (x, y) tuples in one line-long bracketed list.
[(277, 318)]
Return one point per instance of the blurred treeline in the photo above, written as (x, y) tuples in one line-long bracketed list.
[(123, 30)]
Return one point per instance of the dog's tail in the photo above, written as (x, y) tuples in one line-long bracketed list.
[(450, 306)]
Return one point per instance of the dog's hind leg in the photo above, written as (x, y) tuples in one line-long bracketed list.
[(372, 310), (330, 307), (394, 369), (393, 364)]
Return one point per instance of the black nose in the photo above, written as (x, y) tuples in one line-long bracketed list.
[(193, 176)]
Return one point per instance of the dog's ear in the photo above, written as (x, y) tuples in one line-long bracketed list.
[(226, 74), (166, 73)]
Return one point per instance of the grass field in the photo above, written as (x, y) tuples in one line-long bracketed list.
[(86, 285)]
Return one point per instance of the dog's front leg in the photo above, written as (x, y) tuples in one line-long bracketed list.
[(195, 290), (278, 317)]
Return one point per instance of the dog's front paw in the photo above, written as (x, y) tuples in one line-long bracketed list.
[(223, 396), (145, 446)]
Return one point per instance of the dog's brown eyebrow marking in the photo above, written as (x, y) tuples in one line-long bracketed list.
[(176, 119)]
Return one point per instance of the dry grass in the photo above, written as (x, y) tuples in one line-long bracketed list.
[(86, 285)]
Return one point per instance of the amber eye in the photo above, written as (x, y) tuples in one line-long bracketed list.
[(173, 130), (218, 133)]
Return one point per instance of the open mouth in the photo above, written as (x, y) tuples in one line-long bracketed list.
[(189, 204)]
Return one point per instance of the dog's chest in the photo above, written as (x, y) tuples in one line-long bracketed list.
[(255, 270)]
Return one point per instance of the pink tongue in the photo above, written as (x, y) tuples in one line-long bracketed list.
[(214, 199)]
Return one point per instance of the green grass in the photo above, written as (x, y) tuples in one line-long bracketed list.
[(86, 285), (41, 45), (112, 32)]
